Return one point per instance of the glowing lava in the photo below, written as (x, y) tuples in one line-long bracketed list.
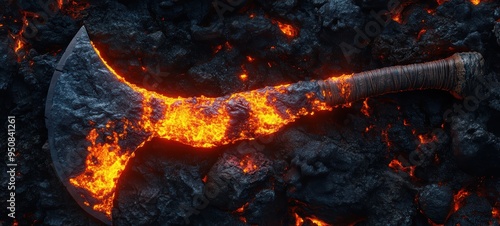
[(440, 2), (287, 29), (107, 156), (397, 166), (247, 165), (421, 32), (60, 3), (299, 221), (475, 2), (458, 199), (203, 122)]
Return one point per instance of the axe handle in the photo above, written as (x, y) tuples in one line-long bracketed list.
[(454, 74)]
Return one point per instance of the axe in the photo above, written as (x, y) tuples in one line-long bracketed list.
[(96, 119)]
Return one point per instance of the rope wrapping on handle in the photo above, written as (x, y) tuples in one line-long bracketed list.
[(455, 74)]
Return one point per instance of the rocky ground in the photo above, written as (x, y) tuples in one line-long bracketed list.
[(338, 167)]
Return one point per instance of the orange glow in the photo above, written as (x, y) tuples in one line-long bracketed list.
[(397, 166), (204, 179), (405, 122), (19, 41), (19, 45), (73, 8), (104, 164), (397, 18), (475, 2), (385, 136), (317, 221), (217, 48), (365, 109), (458, 199), (298, 220), (240, 211), (343, 86), (420, 33), (242, 208), (202, 122), (228, 45), (247, 165), (440, 2), (426, 140), (495, 212), (243, 77), (250, 59), (288, 29)]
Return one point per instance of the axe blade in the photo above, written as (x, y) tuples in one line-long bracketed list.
[(85, 107)]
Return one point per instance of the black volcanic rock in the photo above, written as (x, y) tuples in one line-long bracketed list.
[(231, 186), (475, 147), (435, 201), (497, 31)]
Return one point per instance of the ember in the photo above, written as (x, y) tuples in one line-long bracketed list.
[(299, 221), (287, 29), (495, 212), (459, 198)]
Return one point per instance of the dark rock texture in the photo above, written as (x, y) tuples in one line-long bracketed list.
[(497, 32), (389, 160), (436, 202)]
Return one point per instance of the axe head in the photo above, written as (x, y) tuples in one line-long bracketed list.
[(90, 117)]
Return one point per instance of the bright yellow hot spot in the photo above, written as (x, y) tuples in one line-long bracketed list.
[(104, 163)]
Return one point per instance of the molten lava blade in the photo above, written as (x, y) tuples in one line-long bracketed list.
[(203, 122)]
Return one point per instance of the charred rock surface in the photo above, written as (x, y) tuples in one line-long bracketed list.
[(390, 160), (436, 202)]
